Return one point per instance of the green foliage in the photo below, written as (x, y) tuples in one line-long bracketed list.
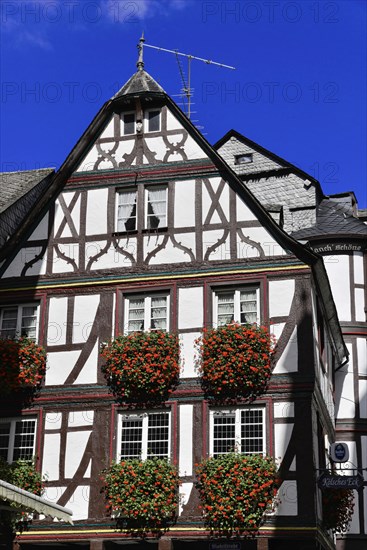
[(235, 360), (337, 509), (142, 495), (24, 475), (236, 490), (142, 366)]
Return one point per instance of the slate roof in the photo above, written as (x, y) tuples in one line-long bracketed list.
[(140, 82), (334, 216), (14, 185)]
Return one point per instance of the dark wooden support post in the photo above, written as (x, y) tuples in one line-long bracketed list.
[(262, 544)]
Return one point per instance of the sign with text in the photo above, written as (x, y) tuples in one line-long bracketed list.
[(225, 546), (329, 481)]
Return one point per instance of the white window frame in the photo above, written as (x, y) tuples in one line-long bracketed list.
[(118, 193), (146, 194), (144, 416), (147, 310), (146, 120), (18, 329), (244, 158), (123, 123), (237, 412), (11, 446), (237, 303)]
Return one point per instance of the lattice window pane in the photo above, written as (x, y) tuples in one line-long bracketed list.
[(129, 123), (29, 321), (9, 319), (224, 436), (153, 121), (131, 437), (252, 431), (24, 439), (158, 434), (126, 211), (225, 308), (159, 313), (157, 208), (136, 314), (4, 439), (248, 306)]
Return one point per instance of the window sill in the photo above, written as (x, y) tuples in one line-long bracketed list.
[(124, 233), (154, 231)]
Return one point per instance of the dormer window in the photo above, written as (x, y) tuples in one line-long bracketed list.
[(128, 123), (154, 120), (243, 159)]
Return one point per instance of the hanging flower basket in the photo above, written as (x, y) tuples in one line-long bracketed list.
[(235, 360), (142, 365), (22, 364), (142, 495), (337, 509), (236, 491), (24, 475)]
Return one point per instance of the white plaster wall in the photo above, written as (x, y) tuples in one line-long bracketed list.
[(108, 132), (362, 356), (260, 235), (362, 390), (155, 145), (186, 444), (89, 161), (359, 303), (221, 252), (172, 122), (85, 309), (276, 329), (96, 219), (88, 374), (282, 435), (51, 456), (26, 255), (283, 409), (65, 266), (57, 315), (184, 208), (80, 418), (111, 258), (41, 231), (243, 211), (125, 148), (190, 307), (280, 297), (79, 502), (188, 352), (53, 493), (184, 492), (288, 361), (59, 366), (192, 150), (344, 389), (53, 421), (207, 200), (76, 443), (288, 505), (75, 214), (170, 253), (358, 268), (339, 278)]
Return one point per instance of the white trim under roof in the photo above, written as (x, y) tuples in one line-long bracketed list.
[(33, 502)]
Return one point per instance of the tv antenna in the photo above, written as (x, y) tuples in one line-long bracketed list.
[(186, 85)]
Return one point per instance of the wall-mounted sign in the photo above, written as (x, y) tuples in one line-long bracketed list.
[(339, 452), (225, 546), (329, 481), (337, 247)]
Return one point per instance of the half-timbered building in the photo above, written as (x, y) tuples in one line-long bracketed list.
[(147, 226)]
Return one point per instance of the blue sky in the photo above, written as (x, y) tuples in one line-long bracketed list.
[(299, 88)]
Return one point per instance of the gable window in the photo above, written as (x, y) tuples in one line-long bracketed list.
[(19, 320), (147, 312), (126, 211), (17, 438), (236, 305), (156, 207), (243, 159), (144, 435), (154, 120), (240, 430), (128, 123)]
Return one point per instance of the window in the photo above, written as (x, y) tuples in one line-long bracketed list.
[(126, 211), (154, 120), (156, 207), (243, 159), (241, 430), (147, 312), (19, 321), (144, 435), (241, 306), (17, 438), (129, 123)]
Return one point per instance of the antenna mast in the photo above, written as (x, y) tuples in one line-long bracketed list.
[(186, 87)]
